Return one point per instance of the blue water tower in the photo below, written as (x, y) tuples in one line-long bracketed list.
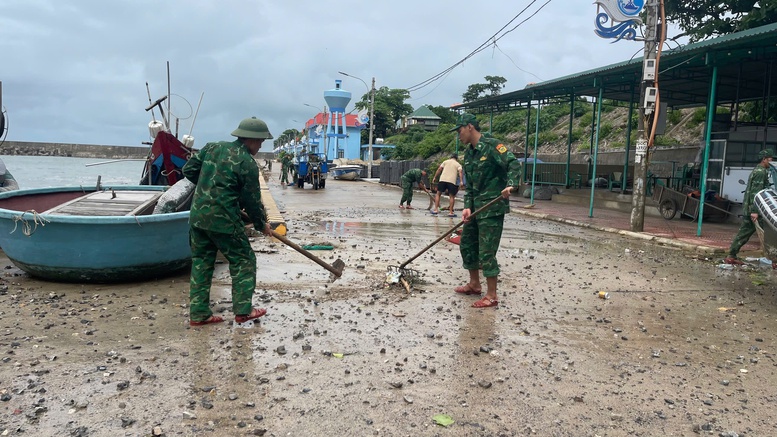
[(337, 99)]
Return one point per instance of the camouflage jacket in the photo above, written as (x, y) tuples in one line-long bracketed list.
[(488, 169), (413, 175), (758, 180), (227, 180)]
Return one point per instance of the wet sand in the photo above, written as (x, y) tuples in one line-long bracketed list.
[(679, 348)]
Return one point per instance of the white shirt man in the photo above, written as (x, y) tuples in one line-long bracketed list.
[(449, 171)]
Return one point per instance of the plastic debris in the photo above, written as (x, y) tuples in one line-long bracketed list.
[(318, 247), (443, 419)]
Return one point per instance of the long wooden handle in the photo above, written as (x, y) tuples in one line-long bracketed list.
[(312, 257), (449, 231)]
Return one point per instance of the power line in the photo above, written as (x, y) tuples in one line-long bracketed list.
[(492, 40), (485, 44)]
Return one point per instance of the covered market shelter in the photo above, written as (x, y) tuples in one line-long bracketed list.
[(725, 71)]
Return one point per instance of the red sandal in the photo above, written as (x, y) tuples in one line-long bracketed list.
[(255, 314), (208, 321), (467, 289), (486, 302)]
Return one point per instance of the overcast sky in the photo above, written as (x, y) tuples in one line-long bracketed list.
[(75, 71)]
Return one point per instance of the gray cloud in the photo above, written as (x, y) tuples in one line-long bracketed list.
[(75, 71)]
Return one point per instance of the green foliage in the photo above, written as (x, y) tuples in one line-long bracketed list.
[(285, 137), (390, 107), (444, 113), (609, 105), (577, 134), (673, 117), (634, 121), (557, 111), (663, 140), (493, 86), (586, 119), (507, 122), (544, 138), (703, 19), (699, 116), (417, 142), (584, 147), (752, 112), (582, 107), (605, 129)]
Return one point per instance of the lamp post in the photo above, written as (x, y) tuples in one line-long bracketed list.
[(372, 122)]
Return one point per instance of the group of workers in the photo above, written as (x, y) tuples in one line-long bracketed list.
[(451, 179), (227, 195)]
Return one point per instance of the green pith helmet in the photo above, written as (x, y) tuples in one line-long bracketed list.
[(252, 128)]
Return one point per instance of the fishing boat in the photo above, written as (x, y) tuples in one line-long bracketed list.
[(349, 172), (102, 234), (107, 234)]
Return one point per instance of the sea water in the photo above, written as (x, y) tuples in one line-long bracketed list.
[(55, 171)]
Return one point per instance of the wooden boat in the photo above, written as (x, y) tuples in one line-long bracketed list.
[(350, 172), (72, 234)]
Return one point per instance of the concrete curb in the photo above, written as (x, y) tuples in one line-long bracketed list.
[(277, 222), (638, 235)]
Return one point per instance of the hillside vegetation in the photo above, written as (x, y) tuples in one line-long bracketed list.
[(683, 127)]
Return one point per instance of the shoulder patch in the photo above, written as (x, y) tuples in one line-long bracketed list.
[(501, 148)]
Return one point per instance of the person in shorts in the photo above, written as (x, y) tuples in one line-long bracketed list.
[(449, 172)]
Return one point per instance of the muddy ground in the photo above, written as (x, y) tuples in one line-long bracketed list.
[(680, 348)]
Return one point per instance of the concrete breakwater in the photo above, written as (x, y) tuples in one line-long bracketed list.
[(72, 150)]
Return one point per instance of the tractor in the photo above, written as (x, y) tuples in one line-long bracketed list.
[(313, 170)]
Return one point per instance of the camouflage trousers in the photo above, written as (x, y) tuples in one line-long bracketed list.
[(407, 191), (284, 174), (479, 242), (242, 268), (746, 230)]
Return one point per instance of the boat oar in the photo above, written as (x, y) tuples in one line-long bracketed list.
[(336, 268), (398, 273)]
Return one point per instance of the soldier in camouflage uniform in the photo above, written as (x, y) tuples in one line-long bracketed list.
[(758, 180), (227, 181), (292, 170), (406, 182), (285, 169), (490, 170)]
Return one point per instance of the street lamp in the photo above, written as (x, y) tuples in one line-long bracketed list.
[(372, 121)]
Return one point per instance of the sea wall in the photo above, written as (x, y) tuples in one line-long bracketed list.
[(72, 150)]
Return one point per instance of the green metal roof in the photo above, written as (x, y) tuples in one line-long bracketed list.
[(425, 113), (746, 71)]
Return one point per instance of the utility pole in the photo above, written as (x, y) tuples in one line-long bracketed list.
[(641, 156), (372, 124)]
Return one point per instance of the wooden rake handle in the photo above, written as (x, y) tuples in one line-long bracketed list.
[(309, 255), (449, 231)]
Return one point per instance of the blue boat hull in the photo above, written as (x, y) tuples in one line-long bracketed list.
[(90, 248)]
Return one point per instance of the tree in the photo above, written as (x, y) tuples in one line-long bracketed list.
[(446, 115), (703, 19), (493, 85), (287, 136), (390, 107)]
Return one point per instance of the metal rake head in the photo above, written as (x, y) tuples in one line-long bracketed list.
[(395, 273)]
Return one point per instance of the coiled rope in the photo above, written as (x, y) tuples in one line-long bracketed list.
[(27, 229)]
